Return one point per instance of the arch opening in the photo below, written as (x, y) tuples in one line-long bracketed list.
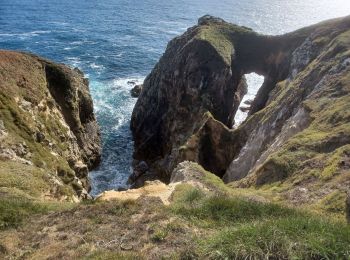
[(254, 83)]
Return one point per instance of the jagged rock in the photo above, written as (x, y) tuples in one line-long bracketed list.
[(20, 149), (140, 168), (71, 93), (49, 110), (306, 86), (81, 169), (136, 91), (2, 126), (40, 137), (209, 19), (244, 109), (203, 70), (248, 102), (122, 189)]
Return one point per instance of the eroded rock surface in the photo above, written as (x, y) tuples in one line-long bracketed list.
[(298, 124), (47, 123)]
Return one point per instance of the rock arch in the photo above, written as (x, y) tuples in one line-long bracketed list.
[(187, 106)]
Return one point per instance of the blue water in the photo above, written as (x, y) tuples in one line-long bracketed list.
[(115, 41)]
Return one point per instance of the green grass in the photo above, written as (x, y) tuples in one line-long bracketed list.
[(21, 128), (160, 232), (243, 229), (123, 207), (29, 179), (223, 38), (15, 210), (301, 237), (211, 179), (159, 235), (333, 203), (214, 210), (218, 40)]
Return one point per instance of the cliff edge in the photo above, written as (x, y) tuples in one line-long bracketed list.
[(48, 131), (286, 167)]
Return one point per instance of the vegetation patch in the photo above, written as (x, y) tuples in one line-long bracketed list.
[(27, 178), (255, 230), (295, 237), (15, 210), (194, 204)]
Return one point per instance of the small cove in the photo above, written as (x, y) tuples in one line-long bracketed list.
[(118, 41)]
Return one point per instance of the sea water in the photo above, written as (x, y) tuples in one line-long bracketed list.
[(117, 41)]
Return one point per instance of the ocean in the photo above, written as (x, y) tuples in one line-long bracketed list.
[(117, 41)]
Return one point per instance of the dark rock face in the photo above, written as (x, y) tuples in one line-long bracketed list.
[(47, 123), (71, 92), (192, 77), (203, 71), (136, 91)]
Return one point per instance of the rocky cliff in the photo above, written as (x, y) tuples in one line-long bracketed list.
[(48, 132), (297, 133), (286, 167)]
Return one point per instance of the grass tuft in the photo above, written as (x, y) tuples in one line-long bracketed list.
[(255, 230), (15, 210), (301, 237), (220, 210)]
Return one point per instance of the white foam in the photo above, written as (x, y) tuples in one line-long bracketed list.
[(74, 61), (113, 105), (25, 34), (77, 43), (254, 82), (122, 83), (117, 87), (59, 23), (96, 66)]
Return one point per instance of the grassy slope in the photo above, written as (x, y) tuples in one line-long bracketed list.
[(22, 186), (198, 224), (222, 37)]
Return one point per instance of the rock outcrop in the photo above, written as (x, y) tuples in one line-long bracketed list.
[(188, 173), (136, 91), (298, 128), (48, 131)]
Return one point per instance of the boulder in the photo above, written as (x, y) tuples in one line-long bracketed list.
[(136, 91)]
